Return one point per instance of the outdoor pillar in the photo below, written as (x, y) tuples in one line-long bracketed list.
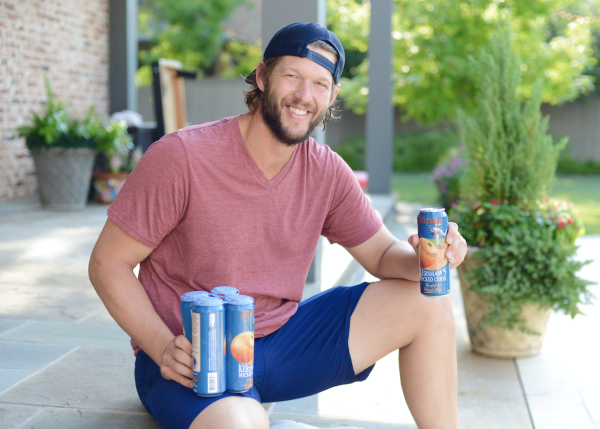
[(276, 14), (380, 112), (123, 54)]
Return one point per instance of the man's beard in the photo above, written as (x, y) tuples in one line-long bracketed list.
[(271, 114)]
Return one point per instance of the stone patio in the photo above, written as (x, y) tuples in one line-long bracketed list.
[(64, 363)]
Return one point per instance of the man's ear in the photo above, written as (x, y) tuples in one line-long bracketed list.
[(335, 93), (259, 76)]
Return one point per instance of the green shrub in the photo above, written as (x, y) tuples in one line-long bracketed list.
[(414, 152), (526, 245), (568, 165), (529, 258)]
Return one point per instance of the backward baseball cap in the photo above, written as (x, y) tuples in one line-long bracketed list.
[(294, 39)]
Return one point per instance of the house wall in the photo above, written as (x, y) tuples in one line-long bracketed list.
[(212, 98), (66, 40)]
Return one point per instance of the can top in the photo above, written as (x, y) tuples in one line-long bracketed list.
[(432, 210), (190, 296), (207, 301), (223, 291), (239, 300)]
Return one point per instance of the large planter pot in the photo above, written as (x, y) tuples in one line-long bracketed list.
[(492, 340), (107, 185), (64, 176)]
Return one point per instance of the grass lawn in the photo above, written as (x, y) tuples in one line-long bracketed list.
[(582, 191)]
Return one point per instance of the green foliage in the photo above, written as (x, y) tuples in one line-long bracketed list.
[(238, 59), (446, 176), (527, 246), (415, 152), (191, 32), (568, 165), (432, 40), (56, 128), (510, 157), (527, 258)]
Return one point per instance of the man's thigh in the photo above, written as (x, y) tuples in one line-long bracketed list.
[(176, 406), (389, 316), (310, 352)]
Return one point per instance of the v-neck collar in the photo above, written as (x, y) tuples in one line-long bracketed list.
[(256, 171)]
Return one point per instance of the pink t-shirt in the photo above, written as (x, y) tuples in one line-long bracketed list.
[(213, 218)]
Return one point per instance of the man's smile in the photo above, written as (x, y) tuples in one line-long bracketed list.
[(297, 111)]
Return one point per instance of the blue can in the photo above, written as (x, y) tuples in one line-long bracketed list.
[(224, 291), (434, 267), (208, 346), (239, 333), (187, 303)]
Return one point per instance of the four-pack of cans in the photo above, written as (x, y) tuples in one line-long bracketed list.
[(221, 327)]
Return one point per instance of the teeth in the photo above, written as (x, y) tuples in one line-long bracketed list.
[(298, 111)]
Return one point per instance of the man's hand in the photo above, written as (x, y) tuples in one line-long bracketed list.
[(176, 361), (457, 245)]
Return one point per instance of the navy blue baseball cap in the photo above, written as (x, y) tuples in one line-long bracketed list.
[(294, 39)]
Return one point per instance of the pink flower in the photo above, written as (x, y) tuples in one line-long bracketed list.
[(453, 205), (570, 220), (561, 224), (495, 202)]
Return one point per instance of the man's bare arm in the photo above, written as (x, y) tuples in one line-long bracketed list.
[(111, 266), (386, 257)]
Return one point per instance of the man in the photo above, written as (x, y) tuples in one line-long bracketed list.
[(242, 202)]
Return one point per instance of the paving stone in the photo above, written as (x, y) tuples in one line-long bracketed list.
[(92, 335), (15, 416), (29, 356), (60, 418), (8, 325), (48, 301), (10, 377), (97, 379), (326, 422)]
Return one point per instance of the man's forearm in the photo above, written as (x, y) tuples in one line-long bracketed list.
[(128, 303), (400, 261)]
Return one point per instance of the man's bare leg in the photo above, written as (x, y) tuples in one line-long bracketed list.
[(232, 413), (393, 315)]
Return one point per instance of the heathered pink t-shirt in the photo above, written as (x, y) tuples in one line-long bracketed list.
[(213, 218)]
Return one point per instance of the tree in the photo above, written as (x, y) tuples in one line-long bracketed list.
[(189, 31), (433, 40)]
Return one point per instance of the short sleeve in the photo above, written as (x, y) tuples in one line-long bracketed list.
[(351, 219), (154, 198)]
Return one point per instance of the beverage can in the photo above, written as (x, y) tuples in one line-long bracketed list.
[(208, 346), (224, 291), (239, 328), (434, 267), (187, 303)]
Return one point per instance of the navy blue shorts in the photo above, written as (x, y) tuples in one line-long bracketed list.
[(307, 355)]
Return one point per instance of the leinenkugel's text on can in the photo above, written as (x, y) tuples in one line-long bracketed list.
[(187, 303), (434, 267), (208, 346), (224, 291), (239, 334)]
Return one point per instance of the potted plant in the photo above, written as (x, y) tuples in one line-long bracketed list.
[(112, 166), (63, 150), (520, 263)]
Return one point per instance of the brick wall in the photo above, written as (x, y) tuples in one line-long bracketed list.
[(68, 41)]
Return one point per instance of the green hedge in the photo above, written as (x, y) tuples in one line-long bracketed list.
[(415, 152)]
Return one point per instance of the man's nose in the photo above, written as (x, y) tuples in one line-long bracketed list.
[(302, 92)]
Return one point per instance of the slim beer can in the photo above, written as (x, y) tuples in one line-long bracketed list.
[(434, 267), (208, 346), (224, 291), (239, 328), (187, 303)]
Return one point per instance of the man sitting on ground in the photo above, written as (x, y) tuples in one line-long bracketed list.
[(242, 202)]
